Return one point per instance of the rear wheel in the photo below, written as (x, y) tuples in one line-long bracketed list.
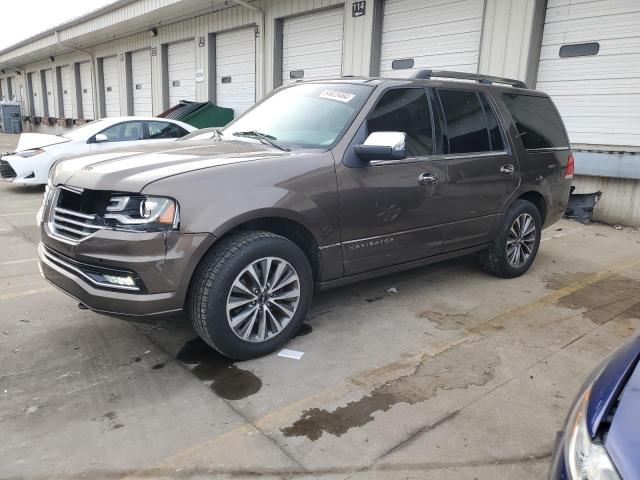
[(516, 244), (250, 294)]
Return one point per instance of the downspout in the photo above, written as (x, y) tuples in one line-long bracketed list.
[(94, 90), (263, 69)]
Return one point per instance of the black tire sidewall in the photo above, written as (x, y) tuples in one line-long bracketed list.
[(223, 337), (500, 243)]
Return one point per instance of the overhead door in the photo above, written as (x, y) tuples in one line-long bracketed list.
[(590, 65), (312, 46), (141, 82), (65, 84), (48, 94), (236, 69), (111, 86), (181, 62), (438, 34), (34, 89), (86, 91)]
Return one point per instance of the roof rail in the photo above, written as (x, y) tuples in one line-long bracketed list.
[(486, 79)]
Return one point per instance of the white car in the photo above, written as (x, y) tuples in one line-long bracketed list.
[(37, 152)]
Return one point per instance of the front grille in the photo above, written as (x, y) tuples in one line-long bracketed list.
[(71, 215), (6, 171)]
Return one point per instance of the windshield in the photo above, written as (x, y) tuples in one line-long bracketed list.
[(84, 131), (302, 116)]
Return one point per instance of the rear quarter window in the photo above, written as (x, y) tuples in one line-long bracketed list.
[(537, 120)]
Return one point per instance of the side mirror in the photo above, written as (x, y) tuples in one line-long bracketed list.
[(100, 137), (383, 146)]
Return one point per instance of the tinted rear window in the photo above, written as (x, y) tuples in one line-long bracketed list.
[(537, 121)]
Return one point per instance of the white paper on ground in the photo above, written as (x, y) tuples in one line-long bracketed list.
[(286, 353)]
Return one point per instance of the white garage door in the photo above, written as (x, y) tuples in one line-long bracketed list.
[(236, 69), (312, 46), (111, 87), (34, 85), (181, 60), (48, 94), (86, 92), (141, 82), (438, 34), (65, 86), (597, 94)]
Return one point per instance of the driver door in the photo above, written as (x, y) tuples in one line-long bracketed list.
[(392, 211), (120, 134)]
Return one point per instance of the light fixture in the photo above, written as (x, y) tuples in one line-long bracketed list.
[(153, 31)]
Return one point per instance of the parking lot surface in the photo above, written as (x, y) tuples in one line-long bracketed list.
[(439, 372)]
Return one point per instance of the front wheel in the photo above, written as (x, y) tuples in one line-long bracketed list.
[(516, 244), (250, 294)]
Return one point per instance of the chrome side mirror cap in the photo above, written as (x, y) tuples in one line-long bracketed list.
[(383, 146)]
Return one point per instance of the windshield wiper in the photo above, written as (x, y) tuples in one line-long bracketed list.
[(262, 136)]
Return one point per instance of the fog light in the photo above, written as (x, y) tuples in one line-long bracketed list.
[(127, 281)]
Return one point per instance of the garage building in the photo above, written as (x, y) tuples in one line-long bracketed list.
[(585, 54)]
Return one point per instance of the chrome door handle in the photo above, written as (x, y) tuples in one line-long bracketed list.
[(427, 178), (507, 169)]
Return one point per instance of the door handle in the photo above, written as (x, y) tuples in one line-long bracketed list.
[(507, 169), (427, 178)]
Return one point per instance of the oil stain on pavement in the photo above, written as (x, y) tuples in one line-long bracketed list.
[(228, 380), (615, 295), (431, 375)]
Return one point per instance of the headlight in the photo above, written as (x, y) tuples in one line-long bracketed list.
[(585, 459), (142, 212), (29, 153)]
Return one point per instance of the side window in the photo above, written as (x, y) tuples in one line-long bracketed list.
[(124, 132), (495, 135), (164, 130), (537, 121), (466, 121), (405, 110)]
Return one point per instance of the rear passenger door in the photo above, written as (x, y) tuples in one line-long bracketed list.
[(482, 172), (164, 131)]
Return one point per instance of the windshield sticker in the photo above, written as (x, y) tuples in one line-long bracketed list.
[(343, 97)]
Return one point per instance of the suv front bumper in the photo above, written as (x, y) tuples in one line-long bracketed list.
[(161, 264)]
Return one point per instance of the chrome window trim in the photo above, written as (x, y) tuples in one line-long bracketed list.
[(430, 158)]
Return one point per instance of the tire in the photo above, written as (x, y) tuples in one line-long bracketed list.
[(499, 258), (223, 278)]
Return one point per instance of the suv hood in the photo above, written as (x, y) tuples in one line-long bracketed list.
[(131, 169)]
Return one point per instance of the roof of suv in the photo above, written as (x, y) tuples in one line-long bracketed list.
[(436, 77)]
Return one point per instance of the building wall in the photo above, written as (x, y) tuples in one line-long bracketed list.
[(504, 47)]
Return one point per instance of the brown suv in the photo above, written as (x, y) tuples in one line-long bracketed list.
[(320, 184)]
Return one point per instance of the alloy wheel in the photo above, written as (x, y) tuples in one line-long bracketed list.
[(263, 299), (521, 240)]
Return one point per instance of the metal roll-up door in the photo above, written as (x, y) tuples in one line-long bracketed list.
[(65, 87), (48, 94), (34, 89), (443, 35), (86, 91), (141, 83), (312, 46), (181, 62), (111, 86), (590, 65), (236, 69)]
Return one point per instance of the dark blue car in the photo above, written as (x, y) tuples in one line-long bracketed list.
[(601, 440)]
